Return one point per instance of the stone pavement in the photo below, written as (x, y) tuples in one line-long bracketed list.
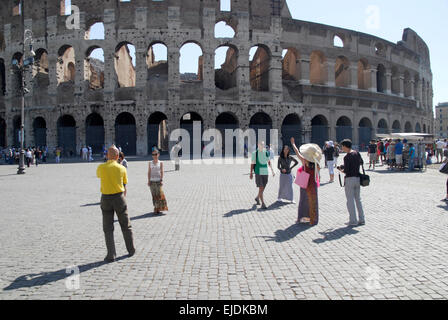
[(215, 244)]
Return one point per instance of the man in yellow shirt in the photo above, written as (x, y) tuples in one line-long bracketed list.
[(113, 192)]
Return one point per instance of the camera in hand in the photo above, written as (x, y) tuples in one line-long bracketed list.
[(340, 167)]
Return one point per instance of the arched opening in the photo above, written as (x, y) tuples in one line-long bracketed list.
[(381, 78), (41, 78), (342, 72), (396, 127), (157, 62), (17, 61), (2, 133), (223, 30), (126, 133), (338, 42), (157, 132), (2, 78), (124, 64), (191, 62), (94, 68), (226, 65), (67, 135), (382, 127), (424, 128), (418, 128), (40, 132), (290, 65), (319, 130), (363, 75), (365, 133), (188, 122), (227, 121), (292, 128), (95, 132), (65, 66), (344, 129), (395, 81), (16, 122), (95, 32), (318, 70), (408, 127), (260, 64), (262, 124), (380, 49)]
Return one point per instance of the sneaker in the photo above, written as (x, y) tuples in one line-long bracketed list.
[(109, 259), (263, 206), (131, 253), (361, 223), (351, 224), (257, 201), (293, 202)]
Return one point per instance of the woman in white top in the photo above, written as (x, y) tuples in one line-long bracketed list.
[(155, 183)]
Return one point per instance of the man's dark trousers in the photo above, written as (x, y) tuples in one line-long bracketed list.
[(109, 205)]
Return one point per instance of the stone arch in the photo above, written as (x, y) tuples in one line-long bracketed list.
[(3, 141), (224, 30), (40, 69), (193, 52), (126, 133), (344, 129), (17, 60), (396, 127), (157, 61), (418, 128), (318, 69), (292, 127), (125, 65), (94, 67), (382, 127), (365, 133), (227, 121), (226, 73), (187, 122), (66, 126), (342, 72), (381, 82), (338, 41), (364, 78), (260, 66), (65, 66), (408, 127), (319, 130), (424, 128), (380, 49), (95, 30), (290, 64), (261, 122), (40, 132), (157, 132), (95, 132)]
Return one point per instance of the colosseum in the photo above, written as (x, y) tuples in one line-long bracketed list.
[(308, 80)]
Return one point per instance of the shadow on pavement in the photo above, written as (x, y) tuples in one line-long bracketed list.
[(287, 234), (443, 206), (43, 278), (336, 234), (147, 215), (239, 211), (91, 204)]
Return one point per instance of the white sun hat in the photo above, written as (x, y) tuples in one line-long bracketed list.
[(311, 152)]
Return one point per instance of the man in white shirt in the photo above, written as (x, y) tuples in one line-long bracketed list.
[(439, 150), (84, 153)]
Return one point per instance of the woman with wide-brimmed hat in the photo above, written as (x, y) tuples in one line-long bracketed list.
[(310, 156)]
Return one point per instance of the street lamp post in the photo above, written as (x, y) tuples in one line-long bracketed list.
[(21, 68)]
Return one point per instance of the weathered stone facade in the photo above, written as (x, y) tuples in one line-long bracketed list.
[(318, 91)]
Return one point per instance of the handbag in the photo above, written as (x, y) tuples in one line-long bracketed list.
[(364, 179), (302, 178), (444, 168)]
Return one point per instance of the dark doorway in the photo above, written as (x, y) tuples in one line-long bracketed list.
[(157, 132), (365, 133), (344, 129), (261, 121), (2, 133), (227, 121), (17, 122), (291, 127), (95, 133), (40, 132), (187, 121), (126, 133), (67, 135), (319, 130)]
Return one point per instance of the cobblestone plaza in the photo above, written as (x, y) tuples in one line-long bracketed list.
[(215, 244)]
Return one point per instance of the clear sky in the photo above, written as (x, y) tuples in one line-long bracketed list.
[(383, 18)]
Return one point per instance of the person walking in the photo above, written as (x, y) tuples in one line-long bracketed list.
[(155, 183), (310, 155), (391, 155), (29, 157), (259, 165), (352, 163), (329, 155), (84, 153), (440, 145), (114, 179), (411, 157), (285, 191), (399, 154), (372, 153), (337, 150), (122, 160)]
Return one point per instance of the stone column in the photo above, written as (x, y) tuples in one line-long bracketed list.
[(304, 69), (373, 81), (173, 84), (330, 73), (401, 78), (388, 83), (353, 77), (412, 84)]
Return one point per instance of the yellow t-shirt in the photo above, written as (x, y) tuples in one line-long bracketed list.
[(113, 177)]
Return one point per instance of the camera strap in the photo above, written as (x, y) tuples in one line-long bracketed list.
[(340, 181)]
